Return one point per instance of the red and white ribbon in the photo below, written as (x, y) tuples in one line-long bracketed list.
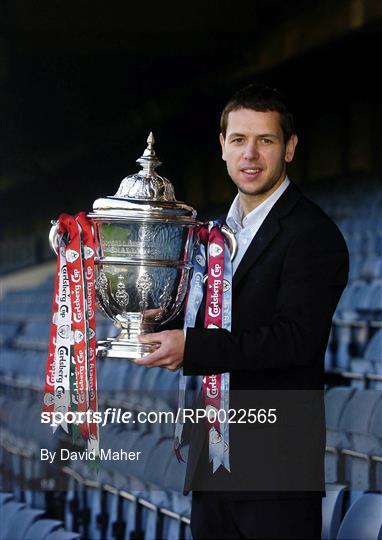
[(215, 388), (72, 336), (213, 317)]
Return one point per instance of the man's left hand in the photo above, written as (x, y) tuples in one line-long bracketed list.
[(169, 353)]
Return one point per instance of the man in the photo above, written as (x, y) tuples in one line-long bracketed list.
[(289, 273)]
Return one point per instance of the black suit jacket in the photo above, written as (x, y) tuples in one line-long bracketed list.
[(285, 291)]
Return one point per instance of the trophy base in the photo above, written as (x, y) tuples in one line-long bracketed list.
[(126, 349)]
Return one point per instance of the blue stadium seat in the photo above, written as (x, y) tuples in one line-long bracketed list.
[(343, 340), (153, 517), (147, 444), (356, 264), (162, 454), (40, 529), (63, 535), (375, 428), (361, 296), (12, 361), (5, 497), (336, 401), (150, 379), (370, 243), (116, 524), (371, 268), (155, 488), (179, 504), (167, 389), (20, 522), (8, 510), (14, 308), (355, 297), (112, 375), (71, 504), (376, 299), (8, 330), (360, 442), (329, 357), (105, 327), (332, 510), (371, 363), (34, 335), (87, 500), (346, 298), (363, 520), (378, 242), (373, 352)]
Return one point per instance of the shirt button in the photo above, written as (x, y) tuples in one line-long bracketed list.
[(245, 241)]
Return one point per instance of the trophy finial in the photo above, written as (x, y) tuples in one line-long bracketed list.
[(149, 161), (147, 184)]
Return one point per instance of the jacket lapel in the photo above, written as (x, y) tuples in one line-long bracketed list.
[(268, 230)]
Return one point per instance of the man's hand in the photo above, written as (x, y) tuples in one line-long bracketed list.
[(169, 353)]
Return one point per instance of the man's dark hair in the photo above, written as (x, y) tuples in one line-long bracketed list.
[(260, 98)]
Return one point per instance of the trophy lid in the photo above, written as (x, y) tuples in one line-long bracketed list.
[(144, 194)]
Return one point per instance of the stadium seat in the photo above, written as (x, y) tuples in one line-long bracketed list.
[(371, 362), (96, 508), (8, 331), (332, 510), (155, 488), (20, 522), (336, 401), (373, 352), (371, 268), (116, 507), (343, 340), (363, 520), (40, 529), (356, 263), (376, 299), (179, 504), (375, 428), (34, 335), (5, 497), (139, 482), (8, 510), (361, 442), (63, 535)]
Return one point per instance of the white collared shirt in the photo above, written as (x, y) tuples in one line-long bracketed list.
[(246, 228)]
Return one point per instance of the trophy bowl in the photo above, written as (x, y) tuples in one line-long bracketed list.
[(142, 276)]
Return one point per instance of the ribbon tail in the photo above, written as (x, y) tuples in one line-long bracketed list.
[(177, 451), (63, 425)]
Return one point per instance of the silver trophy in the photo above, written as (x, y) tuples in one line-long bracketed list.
[(145, 239)]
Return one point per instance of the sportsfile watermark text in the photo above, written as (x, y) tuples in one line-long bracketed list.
[(114, 415)]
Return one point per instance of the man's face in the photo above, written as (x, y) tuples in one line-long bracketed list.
[(255, 151)]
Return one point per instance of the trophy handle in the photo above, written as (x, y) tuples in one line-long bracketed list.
[(53, 238), (231, 240)]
